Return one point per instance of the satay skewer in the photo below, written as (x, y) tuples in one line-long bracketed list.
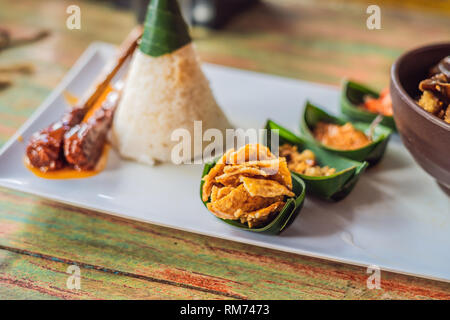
[(45, 149), (84, 142)]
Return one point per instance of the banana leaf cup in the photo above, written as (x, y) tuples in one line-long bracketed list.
[(334, 187), (371, 153), (352, 97), (283, 220)]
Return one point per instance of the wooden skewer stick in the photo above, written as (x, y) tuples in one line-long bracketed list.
[(126, 49), (373, 125)]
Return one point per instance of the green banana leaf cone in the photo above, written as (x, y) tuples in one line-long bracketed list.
[(371, 153), (283, 220), (352, 96), (334, 187), (165, 30)]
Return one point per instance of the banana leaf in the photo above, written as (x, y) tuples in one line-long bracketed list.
[(283, 220), (164, 29), (334, 187), (352, 97), (371, 153)]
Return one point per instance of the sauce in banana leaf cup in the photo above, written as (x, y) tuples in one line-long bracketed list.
[(353, 96), (332, 187), (372, 153)]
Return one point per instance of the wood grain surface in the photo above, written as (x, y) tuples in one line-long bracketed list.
[(320, 41)]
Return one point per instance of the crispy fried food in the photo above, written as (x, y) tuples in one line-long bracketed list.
[(435, 98), (265, 188), (238, 199), (304, 162), (250, 152), (214, 192), (256, 218), (209, 179), (243, 169), (249, 185), (283, 175), (222, 192), (228, 180), (430, 103)]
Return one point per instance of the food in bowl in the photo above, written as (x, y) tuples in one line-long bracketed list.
[(424, 135), (304, 162), (435, 97), (250, 185), (341, 137)]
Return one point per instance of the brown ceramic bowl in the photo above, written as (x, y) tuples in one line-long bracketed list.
[(425, 136)]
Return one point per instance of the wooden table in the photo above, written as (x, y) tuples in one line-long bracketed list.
[(39, 239)]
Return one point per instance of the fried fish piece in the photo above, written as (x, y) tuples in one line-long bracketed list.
[(250, 152), (265, 188), (218, 213), (244, 169), (239, 198), (214, 192), (231, 174), (231, 202), (260, 216), (209, 179), (228, 180), (222, 192), (283, 175)]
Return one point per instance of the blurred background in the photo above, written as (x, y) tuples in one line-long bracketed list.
[(315, 40)]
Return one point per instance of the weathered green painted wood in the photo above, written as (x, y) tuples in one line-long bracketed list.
[(28, 277), (50, 229), (322, 41), (316, 41)]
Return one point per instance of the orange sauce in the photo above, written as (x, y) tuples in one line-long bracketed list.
[(70, 173), (70, 98), (345, 137)]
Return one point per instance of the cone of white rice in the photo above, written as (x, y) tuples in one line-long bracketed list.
[(165, 90)]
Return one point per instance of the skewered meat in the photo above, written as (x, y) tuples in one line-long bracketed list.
[(44, 150), (83, 144)]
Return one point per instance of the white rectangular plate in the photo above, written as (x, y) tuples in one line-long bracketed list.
[(396, 218)]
